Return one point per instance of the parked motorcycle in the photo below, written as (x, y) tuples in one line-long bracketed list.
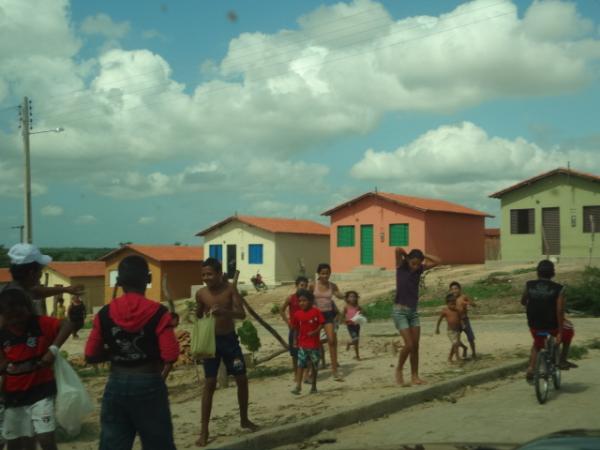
[(258, 283)]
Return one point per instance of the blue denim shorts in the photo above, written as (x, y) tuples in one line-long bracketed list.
[(405, 317)]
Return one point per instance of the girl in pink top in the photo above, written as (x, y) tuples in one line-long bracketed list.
[(324, 291), (350, 311)]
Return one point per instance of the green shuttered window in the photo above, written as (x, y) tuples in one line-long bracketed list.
[(398, 234), (345, 236)]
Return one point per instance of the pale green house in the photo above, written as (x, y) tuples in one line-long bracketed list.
[(556, 213)]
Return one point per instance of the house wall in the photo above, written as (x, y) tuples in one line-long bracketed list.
[(379, 213), (570, 194), (181, 276), (55, 279), (290, 248), (242, 235), (455, 238), (153, 291)]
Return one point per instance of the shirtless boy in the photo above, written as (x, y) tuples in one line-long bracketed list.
[(222, 300), (452, 316), (463, 304)]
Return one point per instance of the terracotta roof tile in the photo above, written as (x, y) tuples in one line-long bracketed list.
[(560, 170), (5, 276), (420, 203), (74, 269), (275, 225), (164, 252)]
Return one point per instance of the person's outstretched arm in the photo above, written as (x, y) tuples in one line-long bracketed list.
[(400, 256)]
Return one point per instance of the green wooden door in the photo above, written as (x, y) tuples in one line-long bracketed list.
[(366, 244)]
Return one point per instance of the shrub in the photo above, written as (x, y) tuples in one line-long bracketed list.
[(275, 309), (585, 296), (577, 352), (379, 309), (249, 336)]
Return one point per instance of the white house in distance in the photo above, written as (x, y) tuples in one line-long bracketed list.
[(278, 249)]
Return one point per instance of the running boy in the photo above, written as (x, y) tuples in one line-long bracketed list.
[(308, 321), (292, 305), (28, 344), (463, 303), (223, 301), (452, 316), (350, 310), (545, 303), (135, 334)]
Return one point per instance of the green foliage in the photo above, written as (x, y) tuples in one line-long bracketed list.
[(264, 372), (64, 354), (275, 309), (249, 336), (585, 296), (379, 309), (525, 270), (577, 352), (88, 324), (594, 344), (76, 253), (490, 287), (499, 274)]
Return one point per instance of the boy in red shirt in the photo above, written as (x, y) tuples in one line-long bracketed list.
[(308, 321), (28, 346), (291, 304)]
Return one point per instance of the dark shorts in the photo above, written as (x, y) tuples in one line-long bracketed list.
[(292, 343), (329, 316), (308, 354), (354, 331), (466, 327), (227, 349)]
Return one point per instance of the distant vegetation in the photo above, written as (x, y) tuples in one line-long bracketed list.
[(63, 253), (585, 296)]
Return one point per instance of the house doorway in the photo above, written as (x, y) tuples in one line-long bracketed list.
[(551, 231), (366, 245), (231, 260)]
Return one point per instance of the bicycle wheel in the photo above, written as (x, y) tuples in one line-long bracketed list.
[(540, 377), (556, 374)]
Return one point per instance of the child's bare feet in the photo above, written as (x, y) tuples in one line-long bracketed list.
[(248, 425), (202, 440), (417, 380), (400, 378)]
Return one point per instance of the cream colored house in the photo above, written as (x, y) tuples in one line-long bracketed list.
[(278, 249), (90, 274)]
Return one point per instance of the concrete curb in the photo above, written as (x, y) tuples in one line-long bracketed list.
[(303, 429)]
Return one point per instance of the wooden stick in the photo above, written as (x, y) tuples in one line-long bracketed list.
[(259, 319), (264, 359)]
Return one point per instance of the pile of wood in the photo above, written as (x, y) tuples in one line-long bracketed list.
[(185, 341)]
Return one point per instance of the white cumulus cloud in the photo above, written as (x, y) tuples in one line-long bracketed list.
[(102, 24), (146, 220), (86, 219), (52, 210)]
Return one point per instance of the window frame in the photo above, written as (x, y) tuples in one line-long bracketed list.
[(586, 228), (406, 231), (352, 236), (516, 215), (252, 256)]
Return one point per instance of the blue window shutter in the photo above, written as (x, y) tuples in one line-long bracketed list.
[(216, 251), (255, 254)]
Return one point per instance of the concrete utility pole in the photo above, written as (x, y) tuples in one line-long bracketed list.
[(25, 131)]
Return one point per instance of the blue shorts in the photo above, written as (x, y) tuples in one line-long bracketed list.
[(329, 316), (354, 331), (292, 342), (308, 354), (466, 327), (405, 317), (227, 349)]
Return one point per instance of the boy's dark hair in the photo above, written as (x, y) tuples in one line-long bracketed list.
[(455, 283), (134, 273), (349, 293), (415, 253), (450, 298), (12, 299), (545, 269), (323, 266), (214, 264), (306, 294), (20, 272), (301, 279)]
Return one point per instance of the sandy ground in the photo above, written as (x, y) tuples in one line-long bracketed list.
[(500, 338)]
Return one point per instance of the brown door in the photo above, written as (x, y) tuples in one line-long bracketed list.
[(551, 231)]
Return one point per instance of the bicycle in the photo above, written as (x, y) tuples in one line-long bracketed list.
[(546, 366)]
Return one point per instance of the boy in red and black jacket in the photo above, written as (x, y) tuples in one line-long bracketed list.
[(136, 335), (28, 346)]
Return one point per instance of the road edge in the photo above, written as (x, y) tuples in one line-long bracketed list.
[(305, 428)]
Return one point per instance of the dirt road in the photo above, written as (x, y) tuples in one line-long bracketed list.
[(502, 412)]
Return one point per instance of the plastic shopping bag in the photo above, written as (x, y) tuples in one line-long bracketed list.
[(359, 319), (72, 400), (203, 338)]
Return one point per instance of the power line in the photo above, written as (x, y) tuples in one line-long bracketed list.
[(242, 58), (329, 61)]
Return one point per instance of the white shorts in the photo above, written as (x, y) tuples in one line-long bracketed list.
[(27, 421)]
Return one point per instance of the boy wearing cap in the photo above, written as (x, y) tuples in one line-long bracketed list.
[(136, 335), (26, 264)]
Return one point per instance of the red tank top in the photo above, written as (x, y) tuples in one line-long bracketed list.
[(294, 305)]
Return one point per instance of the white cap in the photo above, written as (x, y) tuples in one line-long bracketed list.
[(27, 253)]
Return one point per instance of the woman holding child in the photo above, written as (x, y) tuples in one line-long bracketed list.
[(409, 268)]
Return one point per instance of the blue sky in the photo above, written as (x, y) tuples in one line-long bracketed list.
[(176, 116)]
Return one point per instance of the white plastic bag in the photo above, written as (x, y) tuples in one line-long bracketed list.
[(359, 319), (72, 400)]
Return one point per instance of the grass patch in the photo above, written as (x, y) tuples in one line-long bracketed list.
[(577, 352), (594, 344), (275, 309), (432, 303), (379, 309), (264, 372), (524, 270), (490, 287), (585, 296), (498, 274)]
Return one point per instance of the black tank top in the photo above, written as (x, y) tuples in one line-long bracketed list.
[(542, 296), (131, 349)]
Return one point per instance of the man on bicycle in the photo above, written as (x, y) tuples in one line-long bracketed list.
[(545, 303)]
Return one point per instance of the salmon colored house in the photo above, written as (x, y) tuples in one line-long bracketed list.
[(366, 230), (180, 264)]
